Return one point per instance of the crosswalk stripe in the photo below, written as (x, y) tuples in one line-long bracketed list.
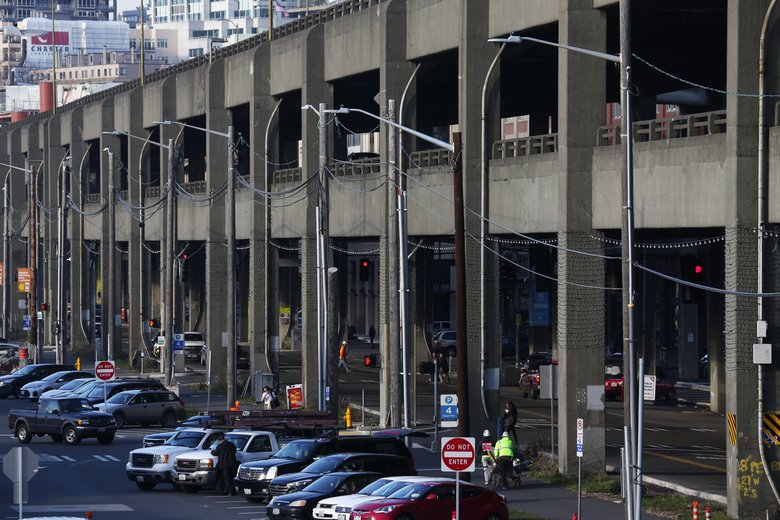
[(49, 458), (68, 458), (100, 458), (111, 457)]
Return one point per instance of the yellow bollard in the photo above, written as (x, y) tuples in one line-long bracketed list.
[(348, 418), (78, 363)]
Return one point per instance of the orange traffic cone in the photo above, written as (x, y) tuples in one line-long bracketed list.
[(695, 511), (574, 516)]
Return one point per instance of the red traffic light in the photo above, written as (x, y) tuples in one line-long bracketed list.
[(371, 360), (364, 263), (698, 269), (44, 307), (367, 361), (153, 323)]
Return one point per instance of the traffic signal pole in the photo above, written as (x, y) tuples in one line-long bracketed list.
[(32, 239), (167, 351), (107, 309)]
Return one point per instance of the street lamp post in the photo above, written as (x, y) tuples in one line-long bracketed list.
[(231, 256), (627, 235)]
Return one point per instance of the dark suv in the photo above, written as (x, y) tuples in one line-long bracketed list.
[(12, 383), (254, 477), (93, 392), (381, 463)]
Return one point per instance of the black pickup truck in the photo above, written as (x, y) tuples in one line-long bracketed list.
[(66, 419)]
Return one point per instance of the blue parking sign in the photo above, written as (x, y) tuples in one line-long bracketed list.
[(178, 342), (26, 322), (448, 410)]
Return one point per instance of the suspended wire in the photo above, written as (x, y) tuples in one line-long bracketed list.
[(354, 253), (285, 248), (706, 287), (213, 195), (241, 140), (279, 194), (85, 213), (339, 123), (150, 249), (339, 181)]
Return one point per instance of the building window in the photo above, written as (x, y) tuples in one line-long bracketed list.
[(194, 53), (123, 71), (162, 43)]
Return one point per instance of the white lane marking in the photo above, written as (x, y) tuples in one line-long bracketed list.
[(111, 457), (49, 458), (74, 508), (656, 429), (706, 448), (68, 458), (702, 430), (100, 458)]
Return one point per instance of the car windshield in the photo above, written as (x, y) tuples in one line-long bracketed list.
[(55, 375), (326, 484), (25, 370), (239, 440), (85, 389), (296, 450), (193, 336), (324, 465), (76, 383), (412, 491), (388, 488), (187, 439), (375, 486), (121, 397), (75, 405)]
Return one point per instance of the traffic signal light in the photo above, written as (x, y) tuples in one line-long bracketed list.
[(371, 360), (364, 269), (44, 307), (154, 323), (124, 314)]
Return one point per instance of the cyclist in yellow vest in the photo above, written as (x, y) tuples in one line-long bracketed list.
[(504, 451)]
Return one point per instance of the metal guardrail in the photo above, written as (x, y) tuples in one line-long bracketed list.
[(678, 127), (92, 198), (288, 175), (318, 17), (525, 146), (123, 195), (195, 187), (429, 158)]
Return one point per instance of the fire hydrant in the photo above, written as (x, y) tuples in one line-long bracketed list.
[(78, 363), (348, 418)]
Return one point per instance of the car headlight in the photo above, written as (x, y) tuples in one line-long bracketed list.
[(270, 474), (161, 459), (386, 509), (205, 464), (2, 383), (298, 503), (343, 509), (83, 422), (300, 483)]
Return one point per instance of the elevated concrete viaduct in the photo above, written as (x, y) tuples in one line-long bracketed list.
[(553, 200)]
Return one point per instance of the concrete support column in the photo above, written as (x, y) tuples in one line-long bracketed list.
[(53, 154), (108, 308), (263, 303), (79, 258), (138, 283), (580, 317), (475, 57), (315, 90), (748, 490), (218, 118)]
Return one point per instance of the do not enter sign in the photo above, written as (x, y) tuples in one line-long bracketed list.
[(457, 454), (105, 370)]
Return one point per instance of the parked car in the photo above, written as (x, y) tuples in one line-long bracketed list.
[(529, 373), (196, 421), (34, 389), (145, 407), (66, 420), (613, 388), (388, 465), (197, 469), (444, 343), (148, 467), (254, 477), (340, 508), (194, 342), (95, 391), (68, 388), (242, 357), (301, 503), (12, 383), (434, 500), (439, 326)]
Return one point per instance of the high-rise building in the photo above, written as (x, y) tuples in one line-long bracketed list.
[(17, 10)]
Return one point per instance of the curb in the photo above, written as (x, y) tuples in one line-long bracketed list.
[(684, 490)]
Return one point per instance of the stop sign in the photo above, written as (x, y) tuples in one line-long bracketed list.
[(457, 454), (105, 370)]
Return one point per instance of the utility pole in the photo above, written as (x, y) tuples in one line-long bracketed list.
[(6, 267), (460, 291), (108, 303), (393, 266), (231, 268), (271, 22), (60, 327), (322, 248), (168, 270), (32, 239)]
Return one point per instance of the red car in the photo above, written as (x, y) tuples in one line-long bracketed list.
[(434, 501), (613, 388)]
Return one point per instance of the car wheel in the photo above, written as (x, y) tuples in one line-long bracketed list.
[(120, 420), (168, 420), (106, 438), (405, 517), (70, 436), (145, 486), (56, 437), (23, 434)]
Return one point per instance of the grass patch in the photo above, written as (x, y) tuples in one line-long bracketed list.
[(515, 514), (655, 500)]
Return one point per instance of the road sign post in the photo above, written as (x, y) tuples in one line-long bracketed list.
[(105, 371), (20, 465), (178, 343), (580, 451), (26, 322), (448, 410), (457, 454)]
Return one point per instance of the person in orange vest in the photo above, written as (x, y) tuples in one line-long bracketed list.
[(343, 356)]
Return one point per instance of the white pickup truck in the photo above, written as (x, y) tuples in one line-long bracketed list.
[(148, 467), (193, 470)]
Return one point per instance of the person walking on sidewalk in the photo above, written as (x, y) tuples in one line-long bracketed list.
[(343, 356), (371, 335), (510, 420), (504, 452)]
